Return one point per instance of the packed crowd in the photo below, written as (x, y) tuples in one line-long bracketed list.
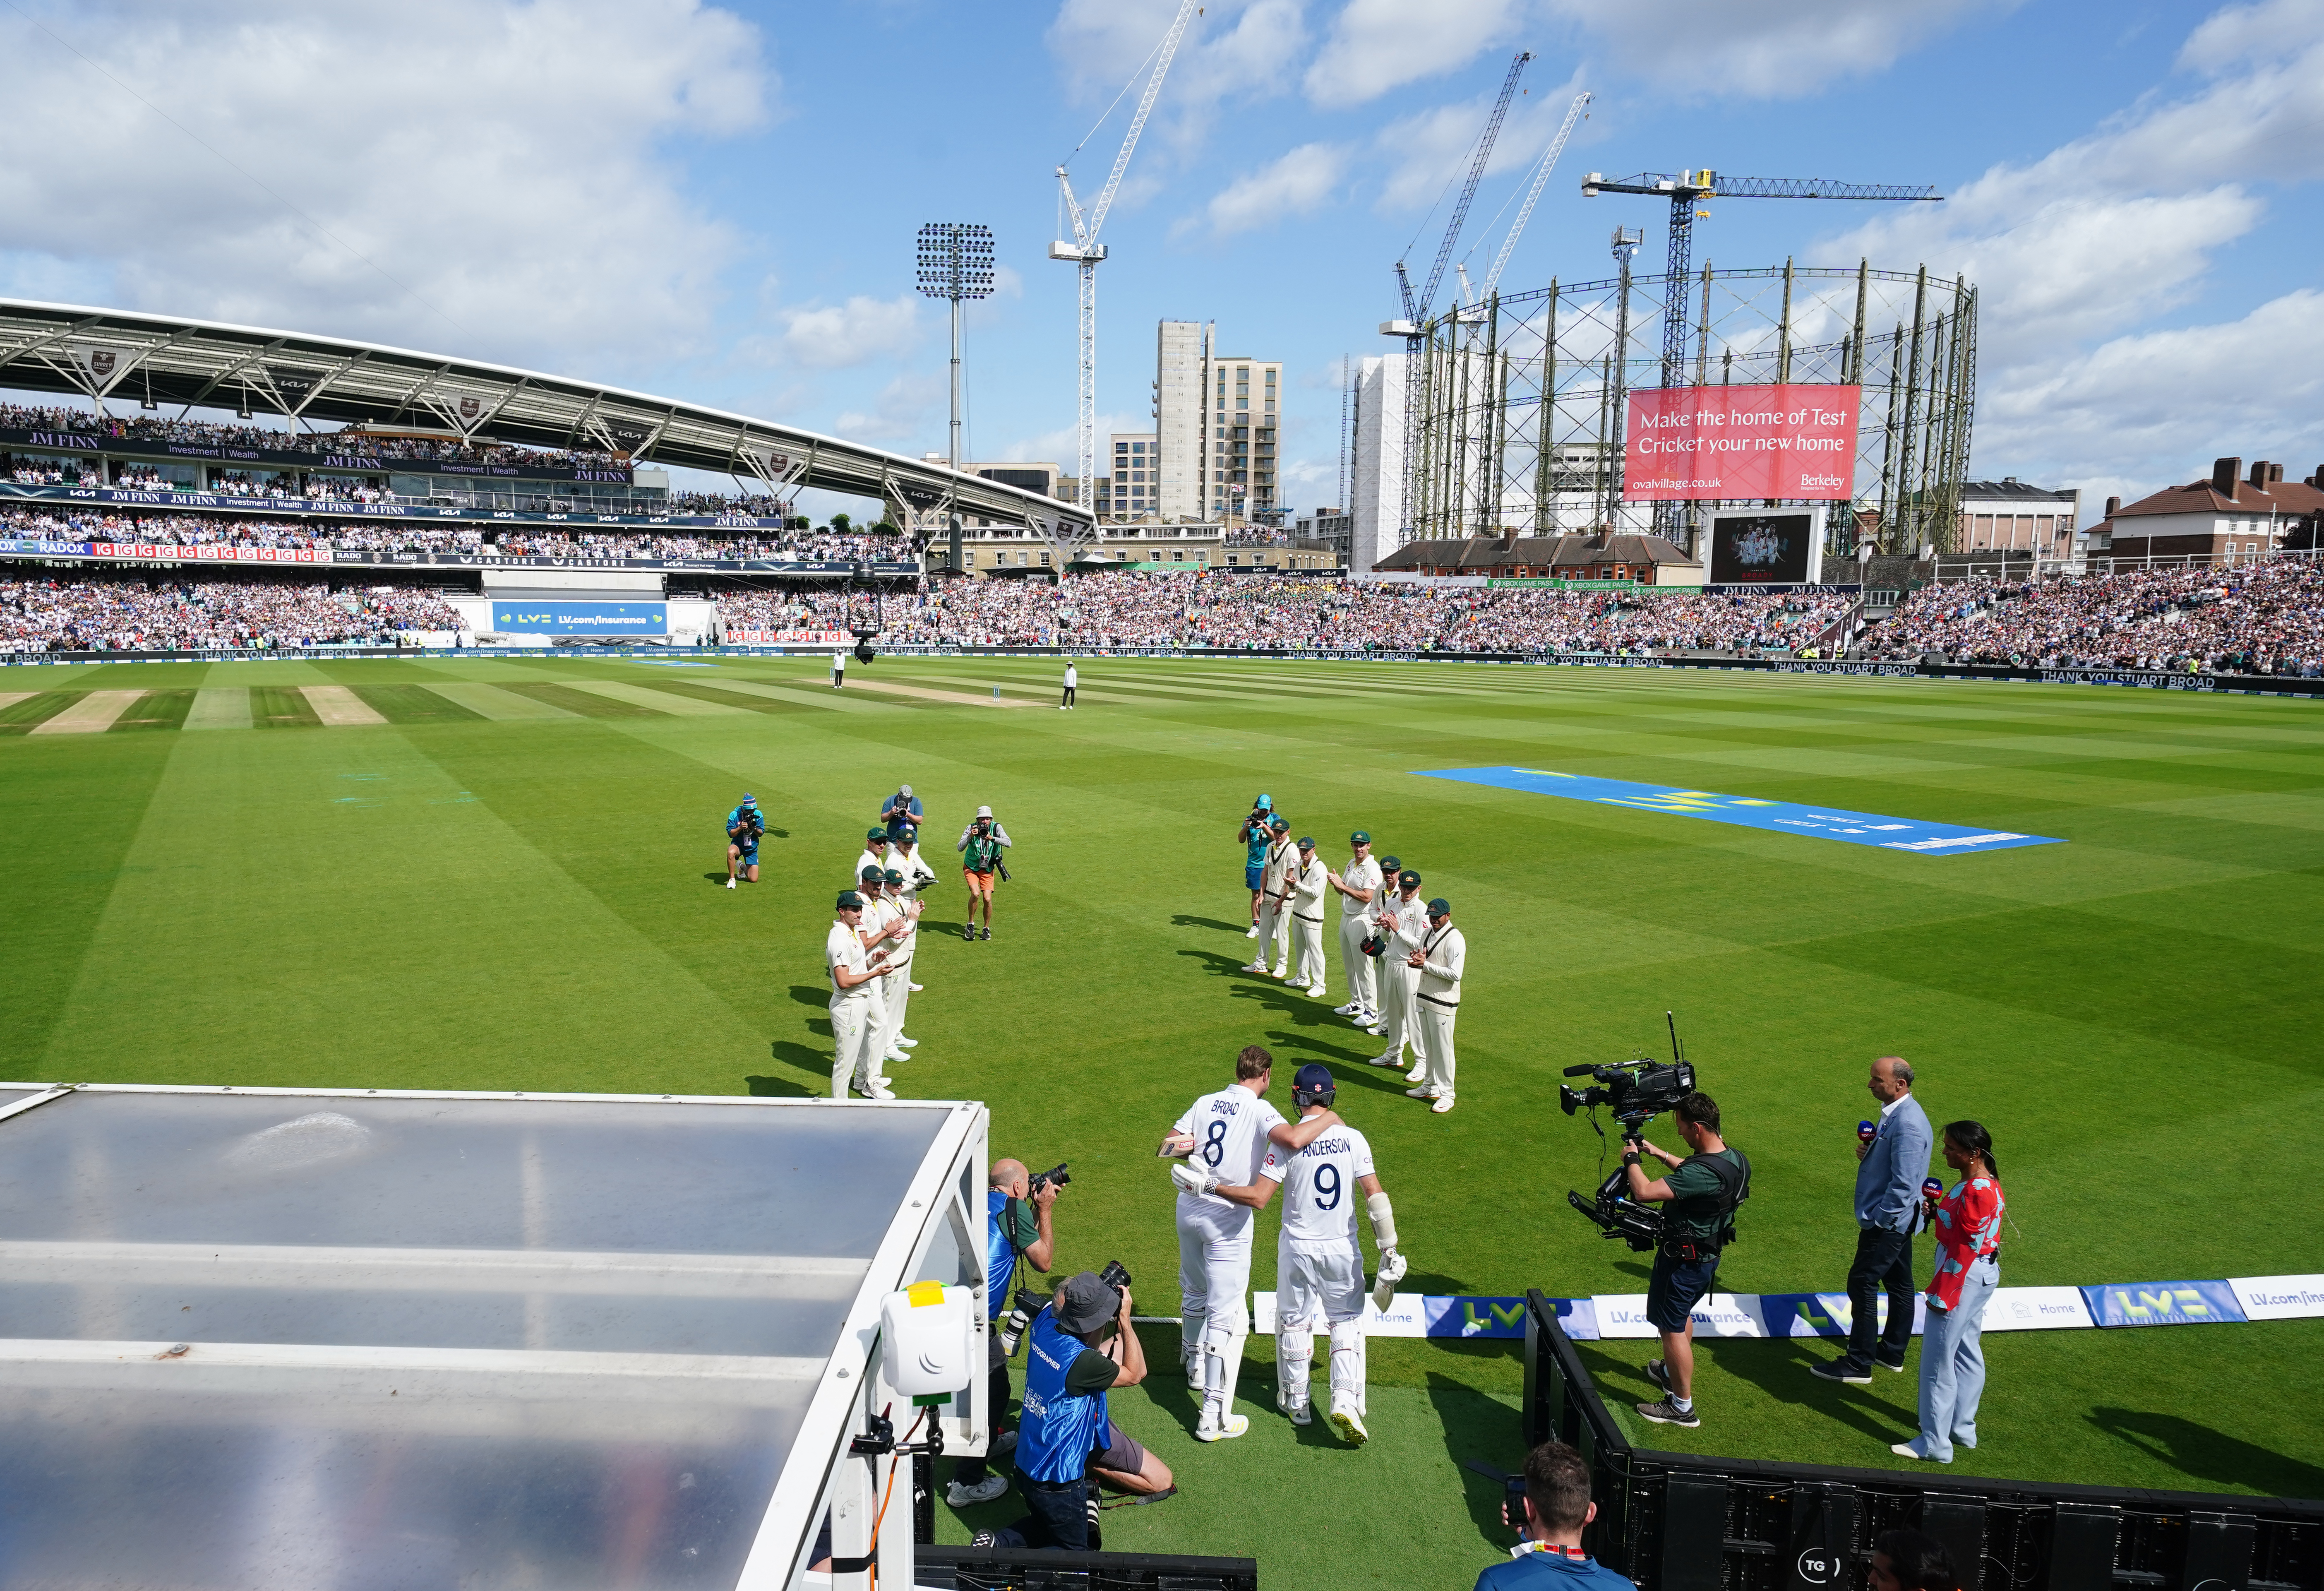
[(2264, 618), (1241, 612), (202, 611), (195, 530), (202, 433)]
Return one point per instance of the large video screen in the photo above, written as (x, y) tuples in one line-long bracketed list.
[(1761, 549)]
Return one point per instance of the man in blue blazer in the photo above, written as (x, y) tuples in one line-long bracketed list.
[(1892, 1161)]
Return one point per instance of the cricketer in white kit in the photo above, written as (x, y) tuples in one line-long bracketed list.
[(1274, 881), (1311, 884), (896, 983), (853, 975), (1358, 887), (1319, 1263), (1402, 921), (1222, 1138)]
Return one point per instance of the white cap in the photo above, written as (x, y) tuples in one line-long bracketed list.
[(984, 811), (905, 790)]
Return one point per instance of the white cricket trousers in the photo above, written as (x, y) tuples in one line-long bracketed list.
[(1274, 931), (1307, 941), (1319, 1287), (1397, 983), (1435, 1033), (855, 1021), (895, 995), (1363, 980), (1214, 1268)]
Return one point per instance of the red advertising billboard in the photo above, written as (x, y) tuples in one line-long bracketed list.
[(1791, 442)]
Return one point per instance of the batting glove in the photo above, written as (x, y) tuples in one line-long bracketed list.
[(1392, 1267), (1193, 1177)]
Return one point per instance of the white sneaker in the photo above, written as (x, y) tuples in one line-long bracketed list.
[(1419, 1074), (1302, 1415), (1280, 974), (1379, 1060), (1423, 1092), (1315, 991), (907, 1043), (1345, 1010), (877, 1091), (915, 988), (895, 1056), (1234, 1426), (1256, 968), (1443, 1103), (1375, 1029), (1253, 933), (729, 883), (985, 1490), (1349, 1423)]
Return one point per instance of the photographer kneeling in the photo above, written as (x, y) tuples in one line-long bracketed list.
[(1067, 1372), (1703, 1191), (1548, 1556)]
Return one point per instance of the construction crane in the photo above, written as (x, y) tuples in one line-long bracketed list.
[(1685, 190), (1085, 250), (1541, 171), (1416, 310)]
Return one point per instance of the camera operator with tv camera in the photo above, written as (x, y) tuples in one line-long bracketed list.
[(1018, 1227)]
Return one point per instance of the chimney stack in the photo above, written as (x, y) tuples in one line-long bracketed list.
[(2259, 473), (2274, 474), (2114, 506), (2223, 477)]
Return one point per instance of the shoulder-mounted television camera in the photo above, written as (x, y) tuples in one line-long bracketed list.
[(1634, 1092)]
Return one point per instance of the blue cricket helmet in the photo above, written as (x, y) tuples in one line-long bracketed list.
[(1313, 1085)]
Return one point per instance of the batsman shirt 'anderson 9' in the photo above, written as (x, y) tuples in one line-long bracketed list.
[(1229, 1130), (1320, 1196)]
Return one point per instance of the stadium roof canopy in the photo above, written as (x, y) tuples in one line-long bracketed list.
[(119, 358)]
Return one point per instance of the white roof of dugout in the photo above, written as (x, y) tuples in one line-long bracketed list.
[(294, 1338)]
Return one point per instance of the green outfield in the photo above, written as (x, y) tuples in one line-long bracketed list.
[(456, 874)]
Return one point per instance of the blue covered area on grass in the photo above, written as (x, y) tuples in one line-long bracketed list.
[(1856, 829)]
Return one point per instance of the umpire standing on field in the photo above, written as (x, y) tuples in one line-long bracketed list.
[(1892, 1159)]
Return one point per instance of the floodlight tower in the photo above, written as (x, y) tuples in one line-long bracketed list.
[(1085, 250), (956, 265)]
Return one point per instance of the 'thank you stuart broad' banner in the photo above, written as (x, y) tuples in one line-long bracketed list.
[(1792, 442)]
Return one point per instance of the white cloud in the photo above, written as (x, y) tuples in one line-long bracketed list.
[(900, 412), (1062, 447), (503, 161), (1376, 45), (2143, 411), (1296, 183), (835, 335), (1234, 49), (1425, 150), (1761, 48), (2074, 255)]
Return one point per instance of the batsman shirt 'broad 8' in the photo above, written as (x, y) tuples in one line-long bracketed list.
[(1320, 1196), (1229, 1130)]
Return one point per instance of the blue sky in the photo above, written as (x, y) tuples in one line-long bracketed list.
[(720, 202)]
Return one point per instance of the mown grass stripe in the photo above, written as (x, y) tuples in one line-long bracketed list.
[(282, 707), (220, 708), (586, 703), (722, 696), (157, 710), (492, 702), (28, 713), (416, 704), (677, 706), (92, 714)]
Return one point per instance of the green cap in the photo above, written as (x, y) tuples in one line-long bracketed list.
[(848, 900), (1360, 839), (1407, 879), (872, 875), (875, 833), (1440, 907)]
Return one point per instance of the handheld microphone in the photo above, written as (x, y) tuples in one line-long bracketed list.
[(1931, 1189), (1866, 1132)]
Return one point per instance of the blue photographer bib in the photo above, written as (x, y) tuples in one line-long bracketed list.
[(1060, 1429)]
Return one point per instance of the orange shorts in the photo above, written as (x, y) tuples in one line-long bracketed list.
[(982, 883)]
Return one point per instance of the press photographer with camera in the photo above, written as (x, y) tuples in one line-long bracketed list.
[(1556, 1506), (1702, 1190), (1068, 1371), (1018, 1225), (979, 847), (1256, 837), (745, 827)]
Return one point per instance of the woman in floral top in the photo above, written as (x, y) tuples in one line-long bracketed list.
[(1967, 1222)]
